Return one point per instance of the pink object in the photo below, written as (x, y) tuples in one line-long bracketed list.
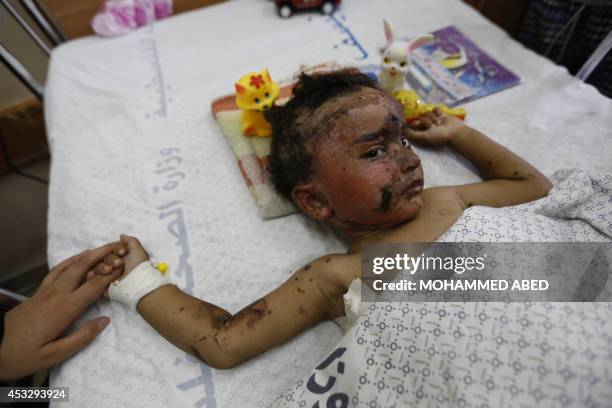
[(119, 17)]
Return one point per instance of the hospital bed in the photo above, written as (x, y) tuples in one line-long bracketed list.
[(136, 150)]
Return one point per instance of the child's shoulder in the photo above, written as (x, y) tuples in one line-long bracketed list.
[(338, 270), (441, 208), (441, 200), (331, 275)]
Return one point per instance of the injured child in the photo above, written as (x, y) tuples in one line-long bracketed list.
[(341, 151)]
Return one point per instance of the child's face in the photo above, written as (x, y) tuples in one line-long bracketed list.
[(364, 165)]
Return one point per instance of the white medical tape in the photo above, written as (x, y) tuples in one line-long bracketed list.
[(141, 281)]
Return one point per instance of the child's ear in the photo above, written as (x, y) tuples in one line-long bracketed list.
[(311, 201)]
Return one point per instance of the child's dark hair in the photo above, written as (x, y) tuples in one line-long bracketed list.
[(290, 158)]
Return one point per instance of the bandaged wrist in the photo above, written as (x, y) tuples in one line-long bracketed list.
[(139, 282)]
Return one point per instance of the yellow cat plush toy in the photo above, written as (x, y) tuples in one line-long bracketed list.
[(255, 93)]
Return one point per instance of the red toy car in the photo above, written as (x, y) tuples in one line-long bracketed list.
[(286, 8)]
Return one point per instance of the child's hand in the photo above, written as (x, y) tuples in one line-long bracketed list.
[(136, 253), (435, 128), (130, 258)]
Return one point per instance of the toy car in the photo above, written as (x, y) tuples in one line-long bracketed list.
[(286, 8)]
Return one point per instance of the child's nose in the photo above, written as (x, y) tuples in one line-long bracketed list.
[(405, 158)]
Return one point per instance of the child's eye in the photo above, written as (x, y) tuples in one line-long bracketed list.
[(256, 100), (405, 142), (375, 153), (403, 64)]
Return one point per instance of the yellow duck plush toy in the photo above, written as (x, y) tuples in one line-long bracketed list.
[(414, 107), (255, 93)]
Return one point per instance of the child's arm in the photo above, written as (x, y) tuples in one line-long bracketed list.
[(222, 340), (509, 179)]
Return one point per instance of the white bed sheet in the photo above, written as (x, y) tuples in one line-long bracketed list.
[(121, 112)]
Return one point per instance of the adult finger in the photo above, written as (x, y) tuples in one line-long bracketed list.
[(60, 349), (113, 260), (75, 274), (61, 267), (103, 269), (91, 290)]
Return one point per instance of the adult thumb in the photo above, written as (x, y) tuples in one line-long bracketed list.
[(63, 348)]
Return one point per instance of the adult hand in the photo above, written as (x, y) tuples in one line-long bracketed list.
[(34, 331)]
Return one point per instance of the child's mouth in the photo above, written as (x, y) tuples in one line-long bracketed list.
[(413, 189)]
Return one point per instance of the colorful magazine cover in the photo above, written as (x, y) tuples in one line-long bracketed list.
[(453, 70)]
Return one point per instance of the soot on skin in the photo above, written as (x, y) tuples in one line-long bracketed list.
[(385, 199), (252, 314)]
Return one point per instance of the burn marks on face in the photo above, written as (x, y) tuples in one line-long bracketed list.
[(386, 196), (388, 128), (322, 118)]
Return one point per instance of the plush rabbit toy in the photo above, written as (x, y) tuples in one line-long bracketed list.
[(396, 59)]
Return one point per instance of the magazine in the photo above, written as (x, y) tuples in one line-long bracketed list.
[(453, 70)]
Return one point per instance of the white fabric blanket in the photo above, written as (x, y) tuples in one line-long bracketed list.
[(494, 354), (136, 150)]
